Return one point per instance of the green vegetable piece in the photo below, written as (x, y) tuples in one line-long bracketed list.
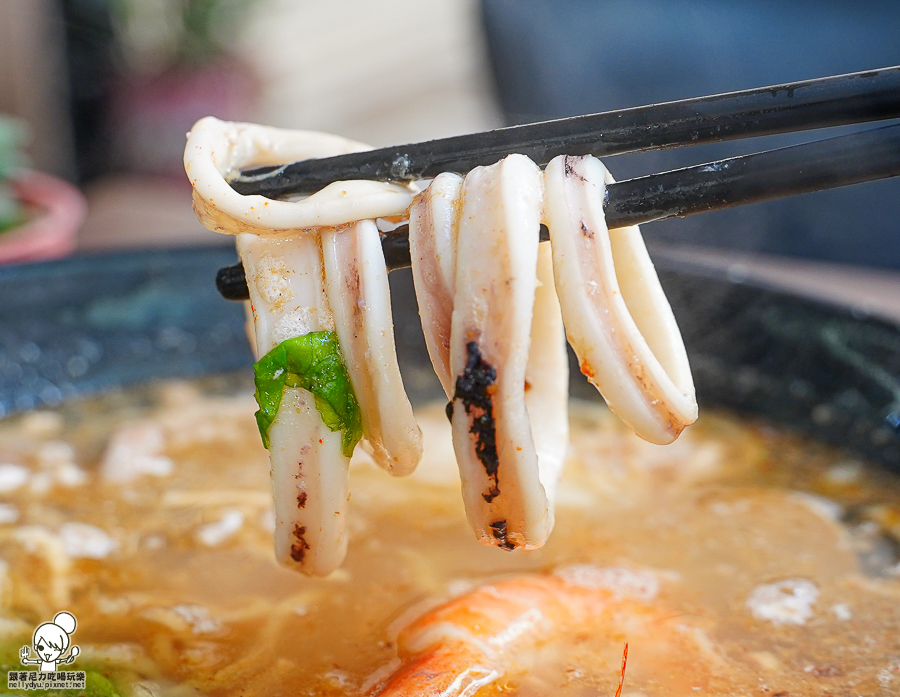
[(96, 685), (312, 361)]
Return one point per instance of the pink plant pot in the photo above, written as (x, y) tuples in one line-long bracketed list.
[(51, 232), (152, 113)]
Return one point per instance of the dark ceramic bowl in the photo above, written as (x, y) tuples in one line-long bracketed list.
[(91, 323)]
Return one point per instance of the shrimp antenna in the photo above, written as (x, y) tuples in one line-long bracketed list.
[(622, 675)]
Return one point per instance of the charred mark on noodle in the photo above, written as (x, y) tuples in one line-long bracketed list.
[(474, 388), (300, 546), (499, 531), (570, 168)]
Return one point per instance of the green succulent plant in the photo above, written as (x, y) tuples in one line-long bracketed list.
[(178, 32), (208, 26), (13, 136)]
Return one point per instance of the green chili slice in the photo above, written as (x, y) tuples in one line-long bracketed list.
[(313, 362)]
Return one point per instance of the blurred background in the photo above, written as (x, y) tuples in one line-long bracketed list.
[(103, 91)]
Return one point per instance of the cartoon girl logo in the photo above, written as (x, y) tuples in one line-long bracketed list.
[(50, 642)]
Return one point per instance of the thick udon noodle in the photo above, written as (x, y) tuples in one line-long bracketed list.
[(496, 309)]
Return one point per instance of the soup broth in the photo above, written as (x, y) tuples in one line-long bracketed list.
[(766, 564)]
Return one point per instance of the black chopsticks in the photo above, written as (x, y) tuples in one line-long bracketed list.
[(798, 169), (854, 98), (849, 159)]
